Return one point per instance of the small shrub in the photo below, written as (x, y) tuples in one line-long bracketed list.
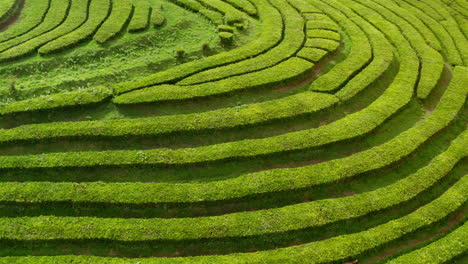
[(226, 38), (206, 48)]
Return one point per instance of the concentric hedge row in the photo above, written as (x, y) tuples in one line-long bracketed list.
[(270, 35), (55, 25), (55, 16), (322, 132), (441, 251), (284, 71), (261, 182), (333, 249), (287, 107)]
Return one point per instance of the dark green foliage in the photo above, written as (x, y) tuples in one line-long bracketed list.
[(180, 54), (206, 48)]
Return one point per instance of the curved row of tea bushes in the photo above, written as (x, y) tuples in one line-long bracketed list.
[(323, 33), (460, 17), (31, 16), (97, 13), (429, 36), (423, 6), (271, 35), (390, 102), (293, 38), (312, 54), (57, 14), (441, 251), (231, 14), (284, 219), (77, 15), (290, 69), (459, 38), (457, 5), (249, 184), (58, 100), (452, 28), (319, 21), (432, 62), (448, 46), (394, 98), (382, 57), (359, 56), (141, 16), (304, 7), (328, 250), (244, 5), (7, 8), (157, 17), (351, 126), (114, 24), (287, 107), (407, 76)]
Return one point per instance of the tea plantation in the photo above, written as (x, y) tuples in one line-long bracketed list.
[(233, 131)]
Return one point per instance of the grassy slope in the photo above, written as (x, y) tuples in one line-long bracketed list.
[(129, 57)]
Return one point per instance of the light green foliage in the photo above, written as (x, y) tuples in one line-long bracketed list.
[(228, 117), (245, 5), (233, 131), (56, 14), (120, 14), (270, 35), (312, 54), (287, 70), (98, 11), (284, 219), (321, 251), (7, 7), (440, 251), (30, 17), (76, 16), (292, 41), (141, 16), (157, 16)]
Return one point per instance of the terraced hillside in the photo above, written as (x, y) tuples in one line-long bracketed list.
[(233, 131)]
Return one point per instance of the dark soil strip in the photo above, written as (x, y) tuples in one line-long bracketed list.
[(13, 18), (452, 222)]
